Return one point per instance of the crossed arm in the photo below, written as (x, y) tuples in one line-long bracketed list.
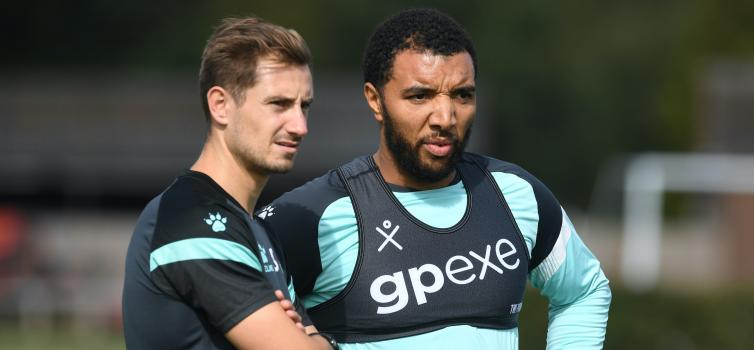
[(276, 325)]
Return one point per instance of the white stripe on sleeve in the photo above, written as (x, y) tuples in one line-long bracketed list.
[(558, 254)]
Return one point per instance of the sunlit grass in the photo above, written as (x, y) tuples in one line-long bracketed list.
[(12, 338)]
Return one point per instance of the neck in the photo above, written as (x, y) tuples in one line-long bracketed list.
[(394, 174), (241, 183)]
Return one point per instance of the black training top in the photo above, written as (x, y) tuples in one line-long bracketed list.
[(197, 265)]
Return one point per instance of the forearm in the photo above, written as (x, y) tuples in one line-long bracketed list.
[(270, 328), (579, 293), (581, 324)]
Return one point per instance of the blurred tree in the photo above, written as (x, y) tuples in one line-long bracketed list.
[(567, 85)]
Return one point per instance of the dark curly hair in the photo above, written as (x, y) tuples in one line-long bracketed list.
[(415, 29)]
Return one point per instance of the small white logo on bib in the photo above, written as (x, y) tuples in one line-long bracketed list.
[(388, 237)]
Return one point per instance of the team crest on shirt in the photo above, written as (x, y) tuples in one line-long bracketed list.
[(216, 222), (266, 211)]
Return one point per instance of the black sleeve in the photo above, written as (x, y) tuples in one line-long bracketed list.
[(225, 292), (298, 304), (212, 266), (548, 207), (302, 311), (294, 220)]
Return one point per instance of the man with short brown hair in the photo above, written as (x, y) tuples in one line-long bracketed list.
[(201, 273)]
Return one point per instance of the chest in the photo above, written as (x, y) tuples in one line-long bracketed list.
[(408, 266), (410, 276)]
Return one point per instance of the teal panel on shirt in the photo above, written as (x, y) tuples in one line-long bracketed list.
[(449, 338), (203, 248), (441, 208), (520, 197), (338, 241)]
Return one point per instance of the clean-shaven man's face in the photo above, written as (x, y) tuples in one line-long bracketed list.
[(267, 127)]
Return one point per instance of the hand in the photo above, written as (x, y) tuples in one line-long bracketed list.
[(290, 310)]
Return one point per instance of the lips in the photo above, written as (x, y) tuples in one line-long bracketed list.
[(291, 146), (439, 147)]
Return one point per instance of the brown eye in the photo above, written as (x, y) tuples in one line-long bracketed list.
[(281, 104), (418, 98), (465, 96)]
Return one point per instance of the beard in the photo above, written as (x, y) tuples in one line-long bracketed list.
[(408, 157)]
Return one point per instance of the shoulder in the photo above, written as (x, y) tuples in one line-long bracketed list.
[(295, 216), (191, 208), (294, 219), (514, 179), (308, 200), (536, 209), (497, 165), (511, 177)]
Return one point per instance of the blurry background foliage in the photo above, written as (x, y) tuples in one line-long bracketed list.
[(572, 84)]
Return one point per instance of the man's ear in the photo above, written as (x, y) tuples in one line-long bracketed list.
[(373, 99), (219, 101)]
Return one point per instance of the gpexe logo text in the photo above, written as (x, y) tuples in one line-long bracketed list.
[(459, 270)]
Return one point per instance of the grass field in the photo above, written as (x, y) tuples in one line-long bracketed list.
[(659, 320), (12, 339)]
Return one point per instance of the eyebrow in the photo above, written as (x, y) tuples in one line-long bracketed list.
[(417, 89), (277, 98), (286, 99), (464, 88), (283, 97), (423, 89)]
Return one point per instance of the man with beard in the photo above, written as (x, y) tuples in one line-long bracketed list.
[(201, 273), (422, 245)]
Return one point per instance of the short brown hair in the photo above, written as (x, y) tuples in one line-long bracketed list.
[(230, 58)]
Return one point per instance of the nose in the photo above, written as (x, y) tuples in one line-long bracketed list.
[(296, 124), (444, 113)]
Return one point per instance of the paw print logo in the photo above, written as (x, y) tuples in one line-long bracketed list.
[(217, 222), (266, 211)]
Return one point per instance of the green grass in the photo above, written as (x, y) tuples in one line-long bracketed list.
[(13, 339), (658, 320)]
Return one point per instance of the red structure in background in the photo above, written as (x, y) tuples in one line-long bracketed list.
[(14, 248)]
